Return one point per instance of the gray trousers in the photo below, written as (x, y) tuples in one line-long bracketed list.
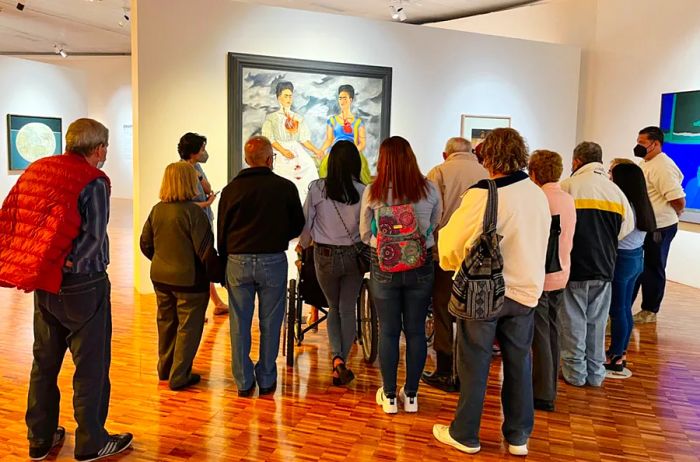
[(78, 318), (180, 326), (340, 280), (582, 331), (545, 346)]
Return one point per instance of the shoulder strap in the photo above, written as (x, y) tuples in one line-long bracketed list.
[(347, 231), (491, 207)]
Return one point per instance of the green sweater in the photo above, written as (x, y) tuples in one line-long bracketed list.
[(178, 239)]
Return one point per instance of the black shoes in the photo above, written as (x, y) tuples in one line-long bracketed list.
[(345, 375), (41, 451), (268, 390), (247, 393), (194, 380), (544, 405), (441, 382), (115, 445)]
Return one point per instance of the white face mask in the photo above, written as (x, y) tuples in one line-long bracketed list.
[(101, 164)]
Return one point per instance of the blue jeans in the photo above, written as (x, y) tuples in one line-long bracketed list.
[(628, 267), (246, 276), (653, 277), (514, 329), (340, 280), (582, 331), (402, 301)]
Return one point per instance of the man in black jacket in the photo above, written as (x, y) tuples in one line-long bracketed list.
[(259, 213)]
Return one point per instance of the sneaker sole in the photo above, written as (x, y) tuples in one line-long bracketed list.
[(458, 446)]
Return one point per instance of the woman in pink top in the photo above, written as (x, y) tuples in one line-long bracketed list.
[(545, 170)]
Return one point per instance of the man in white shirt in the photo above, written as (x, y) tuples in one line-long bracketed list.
[(460, 170), (667, 197)]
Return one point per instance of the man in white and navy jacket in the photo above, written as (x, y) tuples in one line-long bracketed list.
[(603, 215)]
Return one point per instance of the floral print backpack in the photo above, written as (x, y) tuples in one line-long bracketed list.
[(400, 244)]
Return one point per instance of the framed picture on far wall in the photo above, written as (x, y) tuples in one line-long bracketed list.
[(304, 107), (30, 138), (475, 128)]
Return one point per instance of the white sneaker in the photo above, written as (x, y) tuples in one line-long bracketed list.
[(388, 405), (410, 404), (442, 434), (518, 450)]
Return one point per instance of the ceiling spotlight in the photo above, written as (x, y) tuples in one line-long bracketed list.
[(20, 6), (126, 13), (394, 12), (60, 51), (401, 14)]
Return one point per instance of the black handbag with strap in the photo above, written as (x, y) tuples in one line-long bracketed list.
[(362, 250), (552, 263), (478, 290)]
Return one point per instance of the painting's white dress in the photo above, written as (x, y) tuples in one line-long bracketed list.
[(301, 169)]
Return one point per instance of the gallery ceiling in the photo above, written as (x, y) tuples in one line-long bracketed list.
[(103, 27)]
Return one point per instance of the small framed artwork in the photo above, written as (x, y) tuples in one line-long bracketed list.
[(475, 128), (30, 138), (304, 107)]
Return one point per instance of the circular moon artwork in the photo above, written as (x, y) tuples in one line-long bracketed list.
[(35, 140)]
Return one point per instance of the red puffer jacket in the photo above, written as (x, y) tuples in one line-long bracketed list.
[(40, 219)]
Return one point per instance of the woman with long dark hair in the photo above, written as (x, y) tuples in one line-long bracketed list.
[(629, 263), (332, 211), (400, 211)]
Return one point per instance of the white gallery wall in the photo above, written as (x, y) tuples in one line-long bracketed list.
[(180, 69), (37, 89), (632, 52), (91, 86), (107, 90)]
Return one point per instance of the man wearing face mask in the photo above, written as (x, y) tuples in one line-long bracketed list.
[(663, 180), (61, 204), (192, 148)]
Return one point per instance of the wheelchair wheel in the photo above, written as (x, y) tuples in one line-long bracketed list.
[(430, 328), (368, 325), (291, 321)]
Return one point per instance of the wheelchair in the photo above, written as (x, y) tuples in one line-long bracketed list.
[(305, 289)]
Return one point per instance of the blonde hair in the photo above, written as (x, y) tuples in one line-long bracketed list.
[(618, 161), (84, 135), (179, 183), (546, 166), (504, 151)]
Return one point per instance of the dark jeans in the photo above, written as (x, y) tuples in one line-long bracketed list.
[(545, 345), (340, 279), (514, 330), (180, 326), (78, 318), (248, 275), (444, 330), (402, 301), (653, 277), (628, 267)]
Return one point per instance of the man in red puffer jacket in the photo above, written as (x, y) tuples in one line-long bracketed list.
[(53, 240)]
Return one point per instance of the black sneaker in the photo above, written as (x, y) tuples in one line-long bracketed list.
[(441, 382), (115, 445), (41, 452), (193, 380)]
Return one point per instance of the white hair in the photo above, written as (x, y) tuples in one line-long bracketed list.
[(457, 144)]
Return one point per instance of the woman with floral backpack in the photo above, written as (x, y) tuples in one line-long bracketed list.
[(398, 214)]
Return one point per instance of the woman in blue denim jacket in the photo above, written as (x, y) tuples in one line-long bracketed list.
[(332, 212)]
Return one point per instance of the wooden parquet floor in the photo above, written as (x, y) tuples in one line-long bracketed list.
[(655, 415)]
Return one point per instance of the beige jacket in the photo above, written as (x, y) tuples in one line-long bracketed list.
[(459, 172)]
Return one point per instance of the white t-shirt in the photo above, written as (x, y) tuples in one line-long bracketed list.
[(663, 185)]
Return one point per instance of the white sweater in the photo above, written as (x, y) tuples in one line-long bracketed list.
[(523, 221)]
